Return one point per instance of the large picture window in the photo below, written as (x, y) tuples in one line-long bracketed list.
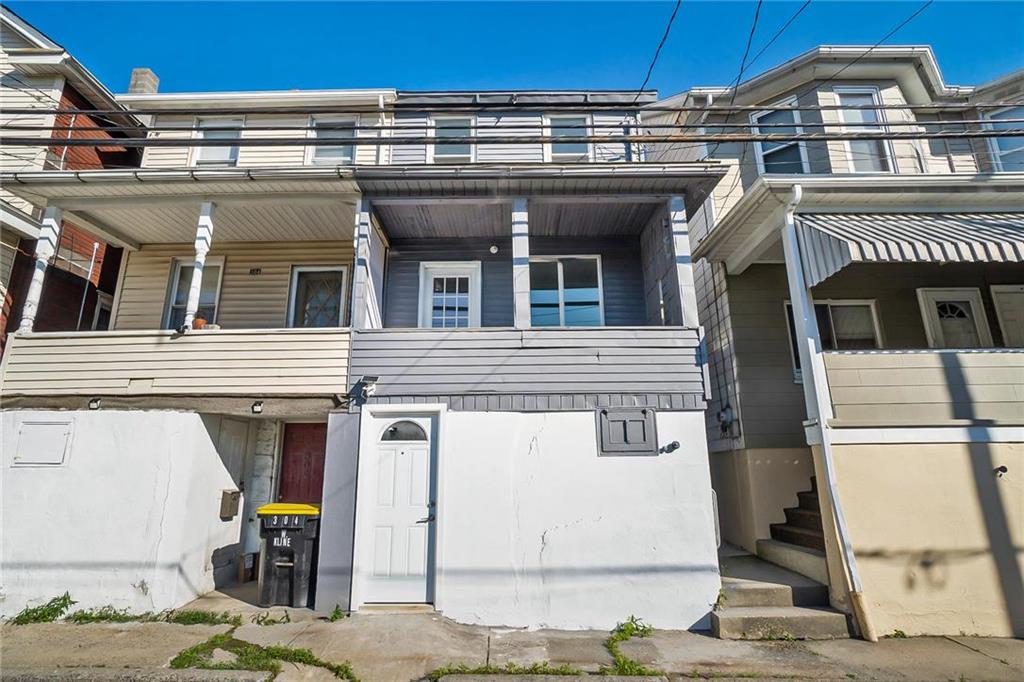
[(181, 282), (843, 325), (780, 157), (317, 296), (566, 292)]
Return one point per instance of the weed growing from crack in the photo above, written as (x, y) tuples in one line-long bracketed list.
[(544, 668), (337, 614), (108, 614), (254, 657), (195, 617), (264, 618), (622, 665), (47, 613), (898, 634)]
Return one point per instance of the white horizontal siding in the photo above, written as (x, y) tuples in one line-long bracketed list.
[(169, 157)]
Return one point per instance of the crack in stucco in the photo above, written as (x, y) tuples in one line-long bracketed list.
[(175, 438)]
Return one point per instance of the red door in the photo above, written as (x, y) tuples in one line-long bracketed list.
[(302, 463)]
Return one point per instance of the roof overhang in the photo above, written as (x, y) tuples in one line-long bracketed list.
[(133, 207), (750, 229), (369, 99)]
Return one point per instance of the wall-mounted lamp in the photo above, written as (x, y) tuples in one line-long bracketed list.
[(493, 249), (1000, 470), (94, 404), (257, 407), (368, 385), (671, 447)]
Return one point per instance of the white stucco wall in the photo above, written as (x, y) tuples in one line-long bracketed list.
[(130, 518), (535, 530)]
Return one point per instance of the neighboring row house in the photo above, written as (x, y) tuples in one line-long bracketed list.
[(902, 393), (38, 74), (471, 330)]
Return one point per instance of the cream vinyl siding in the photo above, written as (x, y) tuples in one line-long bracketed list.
[(169, 157), (273, 155), (247, 301), (885, 387), (278, 362)]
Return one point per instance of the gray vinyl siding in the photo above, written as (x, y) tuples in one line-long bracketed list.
[(772, 403), (491, 125), (621, 273), (409, 125), (533, 369)]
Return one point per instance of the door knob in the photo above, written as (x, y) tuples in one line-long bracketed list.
[(429, 519)]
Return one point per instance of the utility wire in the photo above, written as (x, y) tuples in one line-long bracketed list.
[(657, 52)]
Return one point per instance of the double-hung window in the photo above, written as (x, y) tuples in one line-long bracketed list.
[(317, 296), (181, 282), (566, 292), (450, 295), (1007, 152), (453, 131), (331, 128), (864, 156), (569, 126), (218, 129), (779, 157), (842, 325)]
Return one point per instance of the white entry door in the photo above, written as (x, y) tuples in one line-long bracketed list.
[(1009, 300), (402, 536)]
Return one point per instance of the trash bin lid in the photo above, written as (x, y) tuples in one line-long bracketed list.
[(286, 508)]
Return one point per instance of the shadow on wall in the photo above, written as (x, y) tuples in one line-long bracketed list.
[(986, 483)]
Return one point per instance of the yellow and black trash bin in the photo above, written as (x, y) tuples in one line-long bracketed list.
[(288, 554)]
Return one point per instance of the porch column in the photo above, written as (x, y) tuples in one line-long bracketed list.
[(521, 261), (361, 247), (684, 262), (46, 246), (204, 238)]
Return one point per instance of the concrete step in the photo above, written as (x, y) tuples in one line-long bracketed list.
[(803, 537), (808, 500), (807, 562), (751, 581), (803, 518), (778, 622)]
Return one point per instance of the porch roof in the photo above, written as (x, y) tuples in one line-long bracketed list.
[(831, 241), (134, 206)]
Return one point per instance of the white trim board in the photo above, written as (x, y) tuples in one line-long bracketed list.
[(927, 434)]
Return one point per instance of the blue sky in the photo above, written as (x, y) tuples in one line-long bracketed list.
[(467, 45)]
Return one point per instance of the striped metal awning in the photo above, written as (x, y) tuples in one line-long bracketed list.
[(831, 241)]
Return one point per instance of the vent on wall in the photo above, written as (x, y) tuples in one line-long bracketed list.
[(626, 431)]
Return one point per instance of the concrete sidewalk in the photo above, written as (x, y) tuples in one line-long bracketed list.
[(406, 647)]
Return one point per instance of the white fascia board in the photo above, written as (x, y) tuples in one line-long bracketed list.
[(257, 99), (27, 30)]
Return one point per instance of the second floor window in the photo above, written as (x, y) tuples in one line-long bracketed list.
[(181, 282), (1007, 152), (331, 155), (569, 126), (451, 130), (218, 129), (566, 292), (780, 157), (864, 156)]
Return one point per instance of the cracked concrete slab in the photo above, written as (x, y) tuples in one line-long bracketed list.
[(582, 649)]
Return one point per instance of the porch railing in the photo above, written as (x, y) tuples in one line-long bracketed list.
[(221, 362), (927, 387)]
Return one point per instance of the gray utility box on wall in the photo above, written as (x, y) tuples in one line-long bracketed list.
[(625, 431)]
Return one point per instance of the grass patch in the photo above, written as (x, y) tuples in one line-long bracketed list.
[(621, 664), (544, 668), (47, 613), (253, 657), (195, 617)]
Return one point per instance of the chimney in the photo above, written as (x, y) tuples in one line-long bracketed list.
[(143, 82)]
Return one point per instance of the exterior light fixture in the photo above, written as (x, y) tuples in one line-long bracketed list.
[(257, 407), (369, 385), (493, 249), (94, 404)]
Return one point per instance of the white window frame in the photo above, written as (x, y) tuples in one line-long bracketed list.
[(993, 148), (311, 150), (994, 291), (197, 134), (561, 284), (432, 148), (431, 269), (876, 95), (787, 305), (293, 282), (927, 297), (549, 155), (102, 299), (797, 124), (176, 266)]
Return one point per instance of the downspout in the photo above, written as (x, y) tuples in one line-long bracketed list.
[(819, 406)]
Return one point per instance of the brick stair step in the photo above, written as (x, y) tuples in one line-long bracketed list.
[(808, 500), (804, 518), (778, 622), (802, 537)]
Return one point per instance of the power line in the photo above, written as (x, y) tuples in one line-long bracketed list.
[(657, 52), (777, 34)]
